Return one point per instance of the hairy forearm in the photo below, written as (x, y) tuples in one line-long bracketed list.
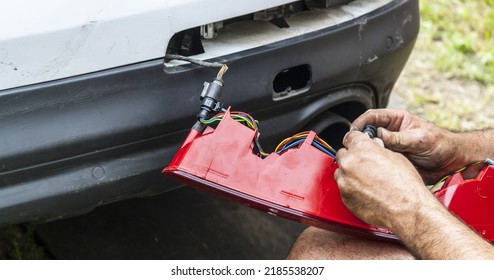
[(431, 232), (474, 145)]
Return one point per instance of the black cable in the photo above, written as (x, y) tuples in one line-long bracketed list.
[(169, 57)]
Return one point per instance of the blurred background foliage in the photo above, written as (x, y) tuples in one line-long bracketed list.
[(461, 32), (449, 78)]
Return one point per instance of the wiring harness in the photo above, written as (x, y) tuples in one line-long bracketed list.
[(288, 143), (299, 138), (211, 95)]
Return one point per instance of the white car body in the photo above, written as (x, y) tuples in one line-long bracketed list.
[(48, 40)]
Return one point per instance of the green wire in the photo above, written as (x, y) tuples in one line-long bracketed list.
[(238, 118)]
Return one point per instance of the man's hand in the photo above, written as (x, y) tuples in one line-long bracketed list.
[(377, 184), (383, 188), (431, 149)]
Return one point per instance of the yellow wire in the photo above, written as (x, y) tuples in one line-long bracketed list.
[(212, 120), (324, 142), (264, 154), (281, 143), (296, 136), (219, 116), (250, 124), (433, 189)]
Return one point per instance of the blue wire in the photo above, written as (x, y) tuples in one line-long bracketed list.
[(323, 149), (291, 145), (315, 143), (331, 149)]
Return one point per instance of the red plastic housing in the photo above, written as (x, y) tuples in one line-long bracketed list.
[(299, 184), (471, 200)]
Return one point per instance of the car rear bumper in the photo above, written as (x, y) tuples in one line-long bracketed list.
[(70, 145)]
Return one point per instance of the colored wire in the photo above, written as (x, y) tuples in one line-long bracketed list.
[(288, 143), (299, 138), (237, 116), (436, 187), (296, 136), (322, 148), (262, 154), (244, 118)]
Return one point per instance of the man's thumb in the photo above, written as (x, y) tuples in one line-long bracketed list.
[(395, 141)]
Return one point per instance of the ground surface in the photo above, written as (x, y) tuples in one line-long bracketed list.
[(182, 224)]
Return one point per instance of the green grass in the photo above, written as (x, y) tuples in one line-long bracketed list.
[(460, 33), (449, 79)]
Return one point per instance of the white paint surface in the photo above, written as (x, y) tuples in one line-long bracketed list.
[(53, 39)]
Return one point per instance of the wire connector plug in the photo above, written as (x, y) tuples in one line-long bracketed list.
[(370, 131), (210, 96)]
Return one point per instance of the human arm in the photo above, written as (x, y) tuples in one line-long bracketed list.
[(383, 188), (435, 152)]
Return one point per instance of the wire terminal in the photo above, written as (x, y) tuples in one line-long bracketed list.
[(370, 130)]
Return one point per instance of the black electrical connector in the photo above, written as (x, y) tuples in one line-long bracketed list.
[(211, 93), (210, 96), (370, 130)]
